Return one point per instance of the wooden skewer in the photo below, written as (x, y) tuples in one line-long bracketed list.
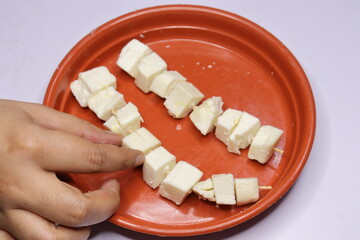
[(113, 111), (265, 187), (279, 150)]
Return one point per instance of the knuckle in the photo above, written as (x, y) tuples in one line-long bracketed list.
[(23, 141), (96, 158), (77, 212), (30, 146)]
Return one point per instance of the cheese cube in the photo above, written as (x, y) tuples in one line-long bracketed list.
[(247, 190), (129, 117), (149, 67), (205, 115), (97, 79), (113, 125), (243, 133), (262, 147), (165, 82), (178, 184), (131, 55), (226, 123), (80, 91), (149, 137), (182, 99), (141, 140), (205, 190), (158, 163), (105, 101), (91, 82), (135, 141), (224, 188)]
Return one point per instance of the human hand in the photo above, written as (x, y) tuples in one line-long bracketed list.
[(36, 142)]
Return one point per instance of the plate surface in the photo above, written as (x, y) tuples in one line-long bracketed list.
[(223, 55)]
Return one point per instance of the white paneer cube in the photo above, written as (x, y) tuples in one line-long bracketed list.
[(131, 55), (224, 188), (165, 82), (182, 99), (149, 67), (135, 141), (205, 115), (226, 123), (149, 137), (243, 133), (246, 190), (141, 140), (105, 101), (97, 79), (80, 91), (91, 82), (178, 184), (262, 147), (205, 190), (113, 125), (158, 163), (129, 117)]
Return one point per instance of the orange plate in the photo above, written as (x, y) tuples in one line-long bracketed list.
[(223, 55)]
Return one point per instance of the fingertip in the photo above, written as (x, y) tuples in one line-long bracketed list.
[(139, 159), (111, 185)]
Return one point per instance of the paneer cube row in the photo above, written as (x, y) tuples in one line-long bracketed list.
[(151, 74), (236, 129), (96, 89), (239, 130), (224, 189), (176, 180)]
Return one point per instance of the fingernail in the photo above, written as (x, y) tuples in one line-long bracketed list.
[(113, 133), (139, 160), (115, 136), (111, 185)]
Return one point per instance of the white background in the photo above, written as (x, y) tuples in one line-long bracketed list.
[(324, 36)]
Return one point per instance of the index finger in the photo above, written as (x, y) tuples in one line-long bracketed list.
[(53, 119), (64, 152)]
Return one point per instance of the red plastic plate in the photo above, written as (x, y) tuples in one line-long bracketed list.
[(223, 55)]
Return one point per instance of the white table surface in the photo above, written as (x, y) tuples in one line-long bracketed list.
[(324, 36)]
